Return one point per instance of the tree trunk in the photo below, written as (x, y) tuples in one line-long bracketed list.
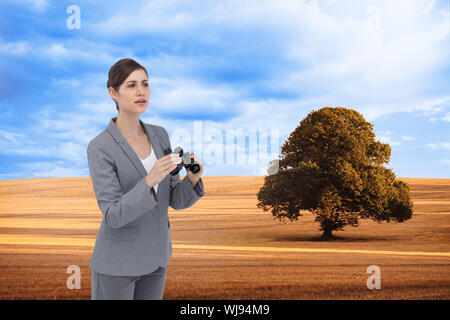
[(326, 235)]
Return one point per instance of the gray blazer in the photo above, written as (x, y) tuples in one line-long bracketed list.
[(134, 235)]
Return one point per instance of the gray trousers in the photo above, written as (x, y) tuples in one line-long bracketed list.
[(146, 287)]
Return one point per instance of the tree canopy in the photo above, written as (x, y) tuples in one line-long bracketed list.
[(332, 166)]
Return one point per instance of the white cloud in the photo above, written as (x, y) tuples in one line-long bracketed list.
[(408, 138), (17, 48), (62, 51), (386, 137), (185, 96), (423, 106), (57, 50), (50, 169), (381, 71), (429, 7), (439, 145), (433, 106), (62, 136), (36, 5), (12, 137), (78, 50), (39, 5), (76, 127), (392, 138), (388, 140), (447, 117)]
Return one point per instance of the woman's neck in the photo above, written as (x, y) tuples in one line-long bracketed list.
[(129, 125)]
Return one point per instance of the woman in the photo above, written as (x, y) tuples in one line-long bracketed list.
[(133, 187)]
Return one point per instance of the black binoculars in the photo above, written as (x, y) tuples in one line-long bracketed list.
[(186, 161)]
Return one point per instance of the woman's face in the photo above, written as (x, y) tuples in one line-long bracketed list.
[(133, 93)]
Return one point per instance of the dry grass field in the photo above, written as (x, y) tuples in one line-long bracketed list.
[(224, 247)]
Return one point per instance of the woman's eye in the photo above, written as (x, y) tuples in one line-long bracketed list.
[(132, 85)]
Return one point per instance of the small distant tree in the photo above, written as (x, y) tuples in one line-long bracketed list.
[(331, 166)]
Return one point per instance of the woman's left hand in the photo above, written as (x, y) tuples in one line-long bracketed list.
[(194, 177)]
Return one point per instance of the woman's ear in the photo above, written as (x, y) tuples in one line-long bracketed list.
[(112, 93)]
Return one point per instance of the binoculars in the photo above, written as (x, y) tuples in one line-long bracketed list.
[(186, 161)]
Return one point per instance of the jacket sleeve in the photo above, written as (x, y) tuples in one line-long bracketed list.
[(182, 195), (117, 207)]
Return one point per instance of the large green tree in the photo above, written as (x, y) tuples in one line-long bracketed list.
[(332, 166)]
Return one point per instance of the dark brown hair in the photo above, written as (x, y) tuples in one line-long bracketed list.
[(120, 71)]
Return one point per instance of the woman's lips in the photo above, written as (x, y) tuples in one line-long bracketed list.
[(140, 101)]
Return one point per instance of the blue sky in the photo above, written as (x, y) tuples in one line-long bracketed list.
[(248, 66)]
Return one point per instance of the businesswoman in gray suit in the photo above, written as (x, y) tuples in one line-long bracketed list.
[(133, 187)]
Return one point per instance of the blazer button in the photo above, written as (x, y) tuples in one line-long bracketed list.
[(156, 212)]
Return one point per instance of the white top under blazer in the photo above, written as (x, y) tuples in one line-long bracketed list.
[(149, 162)]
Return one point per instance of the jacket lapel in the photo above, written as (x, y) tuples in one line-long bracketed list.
[(134, 158)]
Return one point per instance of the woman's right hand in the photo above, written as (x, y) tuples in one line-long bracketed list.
[(162, 167)]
